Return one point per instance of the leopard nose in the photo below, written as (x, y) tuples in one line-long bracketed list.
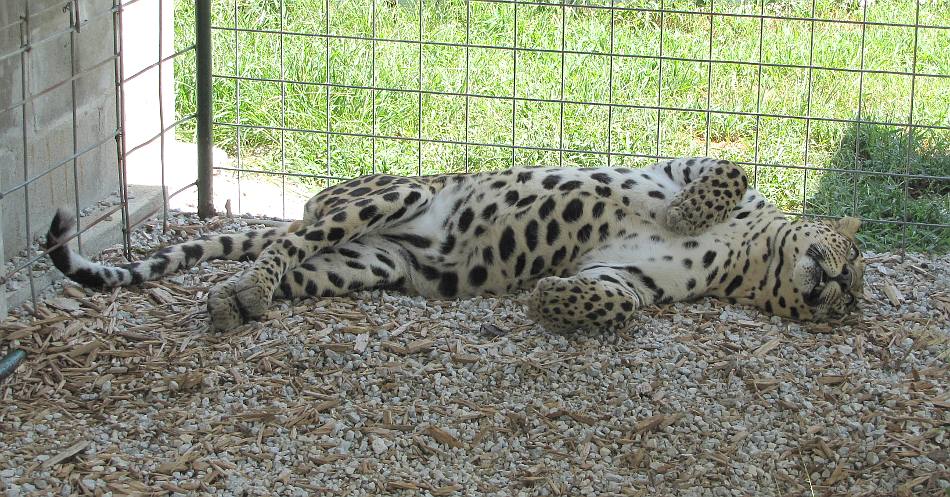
[(846, 278)]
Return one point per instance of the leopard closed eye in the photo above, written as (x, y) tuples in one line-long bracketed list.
[(592, 245)]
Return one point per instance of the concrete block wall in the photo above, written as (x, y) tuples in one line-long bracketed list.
[(49, 120), (49, 125)]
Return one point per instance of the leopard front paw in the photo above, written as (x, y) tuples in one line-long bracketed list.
[(238, 300), (548, 305), (684, 221), (254, 291), (223, 306)]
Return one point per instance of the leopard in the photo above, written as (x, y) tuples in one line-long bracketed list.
[(585, 247)]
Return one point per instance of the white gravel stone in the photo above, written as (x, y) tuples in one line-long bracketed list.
[(323, 397)]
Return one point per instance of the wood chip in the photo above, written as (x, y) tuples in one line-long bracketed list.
[(161, 296), (417, 346), (64, 304), (443, 437), (893, 294), (649, 424), (401, 485), (767, 347), (445, 490), (832, 379), (71, 451), (337, 347)]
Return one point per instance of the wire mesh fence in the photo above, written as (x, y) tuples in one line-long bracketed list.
[(66, 141), (834, 108)]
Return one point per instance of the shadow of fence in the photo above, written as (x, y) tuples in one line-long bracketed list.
[(900, 184)]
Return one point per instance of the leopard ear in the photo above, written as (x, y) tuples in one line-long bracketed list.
[(848, 226)]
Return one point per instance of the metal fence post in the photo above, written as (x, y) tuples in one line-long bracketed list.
[(205, 141)]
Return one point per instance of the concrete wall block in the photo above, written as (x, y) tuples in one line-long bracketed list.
[(50, 116)]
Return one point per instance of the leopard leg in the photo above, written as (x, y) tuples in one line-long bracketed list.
[(335, 217), (359, 265), (598, 298), (711, 189)]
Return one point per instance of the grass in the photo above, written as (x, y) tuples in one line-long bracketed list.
[(586, 128)]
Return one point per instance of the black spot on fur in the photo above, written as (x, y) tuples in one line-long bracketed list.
[(531, 234), (573, 211), (396, 215), (734, 284), (368, 212), (488, 255), (570, 186), (657, 194), (507, 243), (489, 211), (520, 263), (335, 279), (511, 197), (379, 272), (412, 239), (477, 276), (527, 200), (524, 176), (558, 256), (227, 244), (430, 272), (386, 260), (551, 181), (553, 231), (350, 254), (546, 208), (448, 244), (313, 236), (583, 234), (193, 253), (465, 220), (708, 258), (601, 178), (537, 266), (449, 284), (598, 210)]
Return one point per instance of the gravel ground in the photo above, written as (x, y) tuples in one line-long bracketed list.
[(128, 392)]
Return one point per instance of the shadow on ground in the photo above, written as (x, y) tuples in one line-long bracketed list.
[(868, 156)]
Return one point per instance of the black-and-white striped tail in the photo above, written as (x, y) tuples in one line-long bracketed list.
[(238, 246)]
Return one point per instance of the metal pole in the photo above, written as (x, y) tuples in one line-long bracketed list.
[(205, 141)]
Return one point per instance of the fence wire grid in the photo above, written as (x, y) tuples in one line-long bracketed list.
[(834, 108), (36, 31), (827, 104)]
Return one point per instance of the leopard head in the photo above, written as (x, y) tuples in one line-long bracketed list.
[(818, 271)]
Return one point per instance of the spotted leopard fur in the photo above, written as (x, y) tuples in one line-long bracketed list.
[(594, 244)]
